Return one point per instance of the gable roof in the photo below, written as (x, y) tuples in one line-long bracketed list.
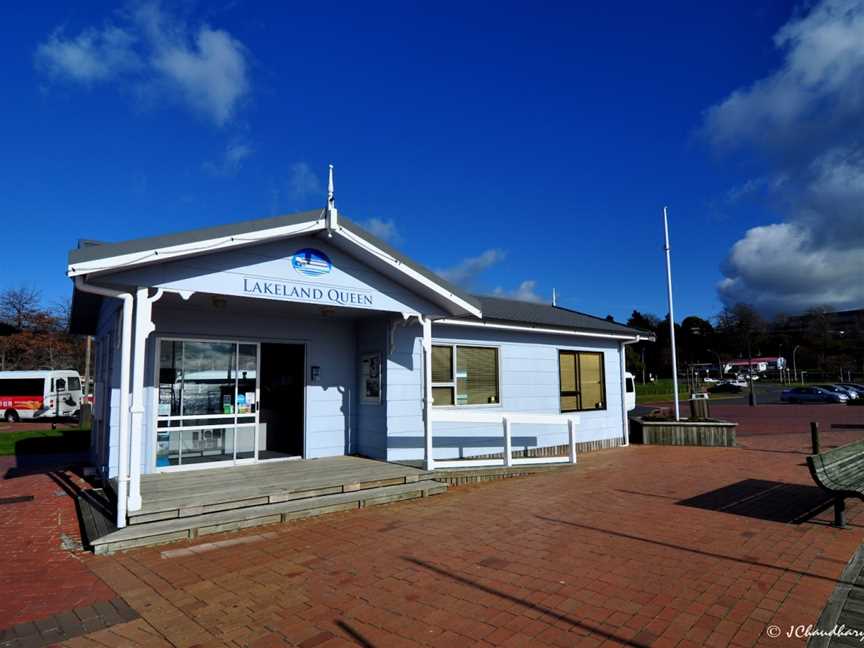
[(92, 257)]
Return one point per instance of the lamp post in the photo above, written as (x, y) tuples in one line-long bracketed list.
[(752, 398), (794, 365), (719, 364)]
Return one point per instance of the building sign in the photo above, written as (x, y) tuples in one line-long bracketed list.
[(323, 295), (311, 262)]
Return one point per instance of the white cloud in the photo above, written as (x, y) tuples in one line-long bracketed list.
[(203, 68), (467, 270), (231, 160), (806, 121), (94, 55), (526, 291), (304, 182), (383, 229)]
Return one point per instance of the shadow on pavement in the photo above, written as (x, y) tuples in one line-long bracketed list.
[(746, 560), (765, 500), (576, 623)]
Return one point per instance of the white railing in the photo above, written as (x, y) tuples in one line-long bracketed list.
[(506, 420)]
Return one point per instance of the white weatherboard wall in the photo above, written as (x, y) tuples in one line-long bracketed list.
[(265, 272), (372, 417), (529, 383)]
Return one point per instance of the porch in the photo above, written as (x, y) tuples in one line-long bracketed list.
[(184, 505)]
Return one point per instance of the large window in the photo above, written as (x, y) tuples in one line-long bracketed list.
[(207, 402), (464, 375), (583, 382)]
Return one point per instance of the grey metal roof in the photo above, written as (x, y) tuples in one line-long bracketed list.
[(534, 314), (91, 251), (493, 308)]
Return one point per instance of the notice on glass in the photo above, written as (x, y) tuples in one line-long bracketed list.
[(370, 378)]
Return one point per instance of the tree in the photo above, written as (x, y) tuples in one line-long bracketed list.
[(19, 305)]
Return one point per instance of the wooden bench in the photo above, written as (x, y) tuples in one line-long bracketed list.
[(840, 471)]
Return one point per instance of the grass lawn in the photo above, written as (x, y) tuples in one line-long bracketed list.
[(26, 442)]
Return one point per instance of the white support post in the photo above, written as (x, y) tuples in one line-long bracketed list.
[(625, 420), (571, 434), (427, 391), (143, 328), (508, 443)]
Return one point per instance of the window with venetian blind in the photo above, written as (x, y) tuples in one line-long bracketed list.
[(583, 383), (464, 375)]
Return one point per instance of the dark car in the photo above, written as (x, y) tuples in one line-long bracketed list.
[(839, 389), (812, 395), (726, 388)]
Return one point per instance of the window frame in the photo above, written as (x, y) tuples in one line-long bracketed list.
[(578, 394), (454, 346)]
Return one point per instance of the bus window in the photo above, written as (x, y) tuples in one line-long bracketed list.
[(60, 384), (74, 383), (629, 385)]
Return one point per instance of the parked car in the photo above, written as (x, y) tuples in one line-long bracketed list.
[(726, 387), (838, 389), (858, 389), (812, 395)]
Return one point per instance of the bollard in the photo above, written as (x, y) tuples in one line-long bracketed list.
[(814, 437)]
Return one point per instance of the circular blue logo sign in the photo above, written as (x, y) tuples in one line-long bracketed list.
[(311, 262)]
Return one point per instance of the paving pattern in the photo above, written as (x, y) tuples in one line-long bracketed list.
[(645, 546)]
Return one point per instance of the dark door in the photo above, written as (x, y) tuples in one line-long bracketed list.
[(283, 369)]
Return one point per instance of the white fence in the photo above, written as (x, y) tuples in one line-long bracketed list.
[(506, 420)]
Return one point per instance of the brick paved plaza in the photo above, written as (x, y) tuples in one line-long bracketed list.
[(644, 546)]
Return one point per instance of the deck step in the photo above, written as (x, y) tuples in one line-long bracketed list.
[(189, 499), (182, 528)]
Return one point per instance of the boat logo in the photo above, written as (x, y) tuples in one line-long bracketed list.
[(311, 262)]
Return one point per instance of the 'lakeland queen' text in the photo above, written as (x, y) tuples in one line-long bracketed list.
[(306, 293)]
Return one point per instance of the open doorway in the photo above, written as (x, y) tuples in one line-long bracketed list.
[(281, 413)]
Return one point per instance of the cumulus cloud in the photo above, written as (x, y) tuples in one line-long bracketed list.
[(92, 56), (466, 271), (231, 160), (383, 229), (525, 291), (154, 52), (806, 122)]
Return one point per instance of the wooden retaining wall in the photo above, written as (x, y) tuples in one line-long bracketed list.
[(683, 433)]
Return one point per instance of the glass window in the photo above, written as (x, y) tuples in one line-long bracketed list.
[(442, 364), (74, 383), (582, 378), (60, 384), (474, 381), (476, 376), (207, 402)]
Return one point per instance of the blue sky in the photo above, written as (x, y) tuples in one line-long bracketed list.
[(515, 147)]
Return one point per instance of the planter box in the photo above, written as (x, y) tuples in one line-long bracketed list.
[(710, 432)]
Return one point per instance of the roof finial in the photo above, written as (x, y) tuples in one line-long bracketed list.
[(332, 212)]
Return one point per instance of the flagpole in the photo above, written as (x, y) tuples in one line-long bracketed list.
[(671, 314)]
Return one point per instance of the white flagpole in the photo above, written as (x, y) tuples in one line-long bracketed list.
[(671, 314)]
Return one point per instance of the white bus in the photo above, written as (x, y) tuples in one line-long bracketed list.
[(39, 394)]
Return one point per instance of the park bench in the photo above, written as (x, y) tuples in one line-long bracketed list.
[(840, 471)]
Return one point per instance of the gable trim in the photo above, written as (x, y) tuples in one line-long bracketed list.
[(133, 259), (404, 268)]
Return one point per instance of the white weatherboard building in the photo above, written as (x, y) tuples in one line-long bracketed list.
[(303, 336)]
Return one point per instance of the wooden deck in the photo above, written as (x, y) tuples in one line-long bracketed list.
[(186, 504)]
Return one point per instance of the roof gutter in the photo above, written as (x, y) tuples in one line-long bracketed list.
[(125, 365), (631, 339)]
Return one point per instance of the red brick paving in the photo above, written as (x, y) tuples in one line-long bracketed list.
[(37, 576), (603, 554)]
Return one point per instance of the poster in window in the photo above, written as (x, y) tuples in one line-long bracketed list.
[(370, 377)]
